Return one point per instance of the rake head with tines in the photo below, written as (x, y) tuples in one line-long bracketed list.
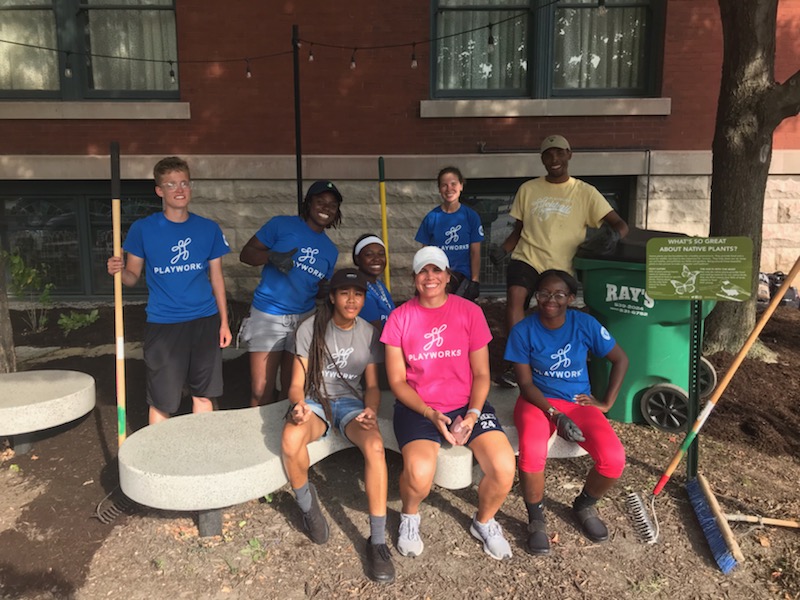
[(642, 525)]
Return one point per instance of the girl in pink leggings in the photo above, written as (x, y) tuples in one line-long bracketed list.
[(549, 350)]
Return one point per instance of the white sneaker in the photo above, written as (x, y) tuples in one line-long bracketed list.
[(491, 534), (408, 541)]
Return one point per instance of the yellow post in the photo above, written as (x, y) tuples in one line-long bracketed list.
[(384, 226), (119, 332)]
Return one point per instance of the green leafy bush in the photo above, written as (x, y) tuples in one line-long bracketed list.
[(75, 320)]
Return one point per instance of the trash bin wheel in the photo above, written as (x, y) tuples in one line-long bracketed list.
[(708, 377), (666, 406)]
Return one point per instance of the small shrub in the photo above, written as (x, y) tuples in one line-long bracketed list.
[(27, 283), (75, 320)]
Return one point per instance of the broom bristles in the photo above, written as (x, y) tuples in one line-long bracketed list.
[(708, 523)]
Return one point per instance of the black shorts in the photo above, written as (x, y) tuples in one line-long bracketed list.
[(522, 274), (182, 353), (410, 426)]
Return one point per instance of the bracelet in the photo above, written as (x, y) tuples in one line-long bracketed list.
[(475, 411), (425, 412)]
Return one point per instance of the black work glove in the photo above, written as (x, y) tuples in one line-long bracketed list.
[(324, 289), (602, 243), (473, 290), (497, 255), (282, 260), (462, 287), (568, 430)]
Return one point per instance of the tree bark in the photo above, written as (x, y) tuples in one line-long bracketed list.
[(8, 357), (751, 105)]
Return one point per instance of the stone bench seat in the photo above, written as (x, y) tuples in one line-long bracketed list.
[(208, 461), (32, 401)]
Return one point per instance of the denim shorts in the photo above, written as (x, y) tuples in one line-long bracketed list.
[(343, 410), (410, 426), (263, 332)]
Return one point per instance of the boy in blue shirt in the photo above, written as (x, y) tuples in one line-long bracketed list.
[(187, 312)]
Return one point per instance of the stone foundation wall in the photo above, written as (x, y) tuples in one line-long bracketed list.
[(675, 203)]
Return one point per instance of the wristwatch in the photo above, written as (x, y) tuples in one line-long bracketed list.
[(551, 412)]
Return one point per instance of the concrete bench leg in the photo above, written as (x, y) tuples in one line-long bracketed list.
[(209, 522), (21, 443)]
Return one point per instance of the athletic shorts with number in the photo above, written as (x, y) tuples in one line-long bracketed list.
[(410, 425), (182, 353)]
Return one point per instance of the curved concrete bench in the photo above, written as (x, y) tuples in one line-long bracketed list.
[(31, 401), (207, 461)]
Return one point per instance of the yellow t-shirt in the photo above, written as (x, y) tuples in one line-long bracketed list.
[(554, 220)]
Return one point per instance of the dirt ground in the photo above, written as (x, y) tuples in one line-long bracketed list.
[(53, 546)]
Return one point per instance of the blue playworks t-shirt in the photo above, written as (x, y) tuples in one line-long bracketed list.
[(558, 356), (378, 303), (315, 259), (453, 233), (176, 257)]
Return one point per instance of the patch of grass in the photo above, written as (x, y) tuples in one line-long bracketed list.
[(254, 550)]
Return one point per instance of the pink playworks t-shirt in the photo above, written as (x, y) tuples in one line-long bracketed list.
[(436, 343)]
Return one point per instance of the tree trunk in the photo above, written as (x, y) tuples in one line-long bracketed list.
[(8, 358), (751, 105)]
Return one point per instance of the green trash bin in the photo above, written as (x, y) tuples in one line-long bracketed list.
[(655, 334)]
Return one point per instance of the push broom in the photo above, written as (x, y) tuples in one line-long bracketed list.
[(715, 526)]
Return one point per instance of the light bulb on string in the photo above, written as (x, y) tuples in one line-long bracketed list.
[(67, 66), (247, 72), (311, 53), (353, 60), (414, 56), (171, 73), (490, 41), (602, 10)]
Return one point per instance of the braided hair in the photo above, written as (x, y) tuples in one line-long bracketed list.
[(320, 356)]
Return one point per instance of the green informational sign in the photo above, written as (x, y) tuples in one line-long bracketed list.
[(694, 268)]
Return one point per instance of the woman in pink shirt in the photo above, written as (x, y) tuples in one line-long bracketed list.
[(437, 360)]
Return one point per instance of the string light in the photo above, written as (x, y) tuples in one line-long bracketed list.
[(67, 66), (247, 72), (171, 73), (311, 53), (353, 60), (602, 10), (414, 55), (490, 41)]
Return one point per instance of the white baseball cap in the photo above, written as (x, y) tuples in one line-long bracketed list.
[(430, 255)]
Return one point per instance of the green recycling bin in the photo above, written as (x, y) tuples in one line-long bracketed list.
[(655, 334)]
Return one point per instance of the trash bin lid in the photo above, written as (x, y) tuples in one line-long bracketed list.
[(631, 248)]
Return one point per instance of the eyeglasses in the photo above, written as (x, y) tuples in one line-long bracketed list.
[(172, 186), (545, 296)]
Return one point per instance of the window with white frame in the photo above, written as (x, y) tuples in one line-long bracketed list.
[(84, 49), (545, 48)]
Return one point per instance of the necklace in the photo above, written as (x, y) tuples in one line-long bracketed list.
[(377, 290)]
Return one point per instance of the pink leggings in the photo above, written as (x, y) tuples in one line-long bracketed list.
[(535, 430)]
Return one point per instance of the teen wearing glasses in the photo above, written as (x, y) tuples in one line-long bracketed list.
[(549, 351), (187, 313)]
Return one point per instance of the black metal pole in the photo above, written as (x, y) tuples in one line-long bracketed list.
[(695, 350), (298, 148)]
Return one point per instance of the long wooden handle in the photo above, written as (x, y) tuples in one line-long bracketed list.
[(762, 520), (712, 401), (724, 528), (119, 329)]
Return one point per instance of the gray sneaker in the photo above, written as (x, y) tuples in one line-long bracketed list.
[(491, 534), (408, 541)]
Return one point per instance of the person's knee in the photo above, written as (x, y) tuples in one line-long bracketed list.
[(374, 450), (611, 462), (292, 440), (419, 473)]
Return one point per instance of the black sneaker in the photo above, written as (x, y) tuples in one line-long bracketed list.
[(379, 563), (314, 521), (538, 541), (507, 378), (593, 527)]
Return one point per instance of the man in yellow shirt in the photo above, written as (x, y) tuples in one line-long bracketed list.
[(552, 214)]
